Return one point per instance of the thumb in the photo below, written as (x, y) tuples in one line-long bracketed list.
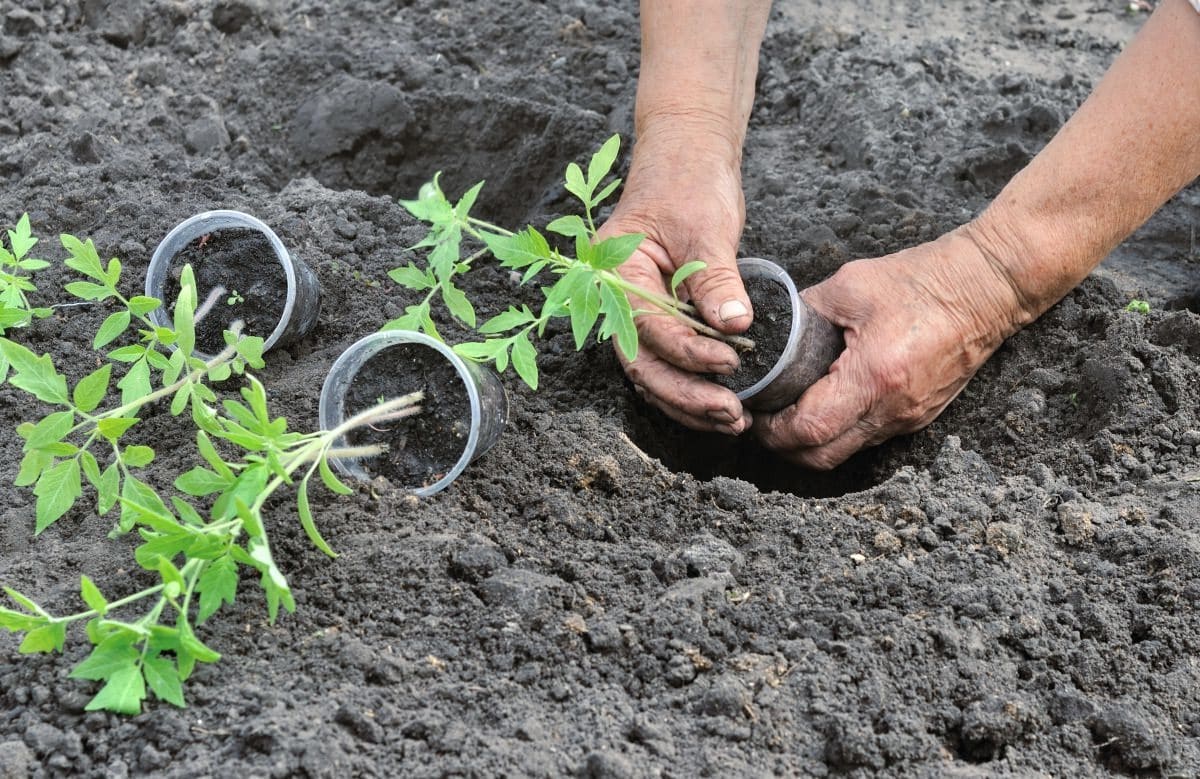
[(718, 293)]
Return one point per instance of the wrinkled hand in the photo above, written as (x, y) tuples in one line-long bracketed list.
[(685, 194), (918, 325)]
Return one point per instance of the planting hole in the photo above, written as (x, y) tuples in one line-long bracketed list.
[(518, 147), (708, 455)]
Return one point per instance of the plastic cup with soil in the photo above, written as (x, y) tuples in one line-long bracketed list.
[(243, 272), (793, 344), (462, 414)]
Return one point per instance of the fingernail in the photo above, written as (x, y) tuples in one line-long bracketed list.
[(732, 309)]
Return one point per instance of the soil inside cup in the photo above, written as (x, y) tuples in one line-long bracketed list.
[(254, 285), (424, 447), (769, 331)]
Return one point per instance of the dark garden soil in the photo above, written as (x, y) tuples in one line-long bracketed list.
[(1013, 591), (252, 285), (421, 448), (768, 331)]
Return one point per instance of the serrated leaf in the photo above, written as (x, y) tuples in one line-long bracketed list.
[(465, 203), (135, 384), (575, 182), (15, 621), (86, 290), (188, 641), (250, 349), (412, 277), (570, 226), (113, 326), (217, 585), (83, 256), (503, 322), (123, 693), (111, 656), (137, 456), (306, 519), (612, 252), (108, 489), (36, 375), (92, 596), (47, 638), (585, 310), (520, 249), (481, 351), (618, 321), (524, 360), (602, 161), (113, 428), (163, 678), (20, 238), (49, 429), (112, 274), (456, 300), (92, 388), (200, 481), (131, 353), (57, 490), (26, 602), (32, 464), (141, 305)]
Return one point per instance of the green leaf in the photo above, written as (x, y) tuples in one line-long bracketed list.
[(163, 678), (250, 349), (15, 621), (20, 239), (180, 400), (140, 305), (602, 161), (585, 309), (35, 375), (575, 182), (116, 323), (188, 641), (32, 464), (86, 290), (47, 638), (171, 577), (135, 384), (131, 353), (200, 481), (92, 388), (600, 196), (431, 204), (510, 319), (482, 351), (332, 482), (92, 596), (612, 252), (185, 308), (111, 656), (524, 360), (217, 585), (112, 274), (412, 277), (113, 428), (83, 257), (519, 250), (140, 503), (108, 489), (124, 692), (49, 429), (57, 489), (683, 272), (570, 226), (306, 519), (456, 300), (211, 456), (137, 456), (26, 603), (463, 207), (618, 321)]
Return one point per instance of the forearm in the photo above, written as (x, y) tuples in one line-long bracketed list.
[(1132, 145), (699, 63)]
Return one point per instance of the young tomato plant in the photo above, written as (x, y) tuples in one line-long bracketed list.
[(195, 558), (58, 449), (586, 287), (16, 270)]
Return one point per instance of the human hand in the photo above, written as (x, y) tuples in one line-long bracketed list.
[(684, 192), (918, 325)]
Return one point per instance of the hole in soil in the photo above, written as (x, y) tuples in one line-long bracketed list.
[(519, 147), (708, 455)]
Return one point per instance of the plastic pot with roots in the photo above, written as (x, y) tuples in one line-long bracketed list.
[(461, 415), (243, 272), (794, 345)]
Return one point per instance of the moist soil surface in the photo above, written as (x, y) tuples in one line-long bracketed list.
[(769, 332), (424, 447), (251, 284), (1012, 591)]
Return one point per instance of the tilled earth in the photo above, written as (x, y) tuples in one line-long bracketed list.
[(1013, 590)]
